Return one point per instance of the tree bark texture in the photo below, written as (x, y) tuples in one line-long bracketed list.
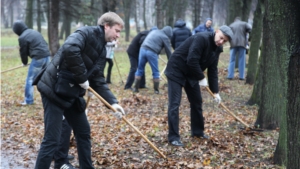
[(207, 10), (274, 76), (255, 43), (29, 14), (159, 14), (127, 9), (256, 93), (144, 15), (53, 27), (39, 17), (196, 4)]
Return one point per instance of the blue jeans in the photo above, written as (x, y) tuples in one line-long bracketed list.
[(34, 68), (151, 57), (241, 53)]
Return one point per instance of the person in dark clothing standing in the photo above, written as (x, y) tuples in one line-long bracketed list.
[(185, 69), (31, 44), (83, 55), (180, 33), (205, 27), (133, 53)]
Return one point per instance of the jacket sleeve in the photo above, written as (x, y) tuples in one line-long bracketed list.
[(73, 55), (24, 51), (212, 72), (167, 46), (99, 85), (195, 52)]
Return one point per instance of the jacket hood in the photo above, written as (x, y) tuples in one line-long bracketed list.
[(179, 23), (168, 31), (19, 27)]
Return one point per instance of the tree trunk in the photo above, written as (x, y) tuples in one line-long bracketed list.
[(256, 93), (127, 9), (169, 7), (29, 14), (144, 15), (53, 26), (196, 11), (180, 9), (293, 108), (207, 10), (288, 48), (255, 43), (159, 14), (274, 77), (109, 5), (137, 16), (38, 18)]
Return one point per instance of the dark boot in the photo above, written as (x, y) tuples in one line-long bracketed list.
[(156, 86), (137, 84)]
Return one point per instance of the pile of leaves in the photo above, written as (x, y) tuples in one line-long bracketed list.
[(116, 145)]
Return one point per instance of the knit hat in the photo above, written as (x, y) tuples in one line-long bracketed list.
[(227, 31)]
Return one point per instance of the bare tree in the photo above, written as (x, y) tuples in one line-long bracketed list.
[(137, 16), (207, 10), (53, 26), (159, 13)]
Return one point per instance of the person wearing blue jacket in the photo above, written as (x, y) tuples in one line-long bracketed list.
[(150, 48), (180, 33), (205, 27)]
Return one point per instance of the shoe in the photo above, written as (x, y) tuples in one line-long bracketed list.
[(66, 166), (229, 78), (241, 79), (128, 89), (25, 103), (70, 157), (202, 136), (176, 143)]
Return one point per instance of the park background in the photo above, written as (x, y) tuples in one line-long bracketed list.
[(268, 99)]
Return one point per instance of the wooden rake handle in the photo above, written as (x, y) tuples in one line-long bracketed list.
[(124, 119), (15, 68), (228, 111)]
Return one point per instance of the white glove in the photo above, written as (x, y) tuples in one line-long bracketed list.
[(120, 111), (217, 98), (90, 94), (85, 85), (203, 82)]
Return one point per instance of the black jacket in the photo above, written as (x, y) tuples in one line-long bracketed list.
[(180, 33), (189, 60), (79, 53), (134, 48), (31, 43)]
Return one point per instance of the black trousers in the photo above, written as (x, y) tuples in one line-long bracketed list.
[(53, 127), (133, 67), (195, 99), (61, 154), (110, 65)]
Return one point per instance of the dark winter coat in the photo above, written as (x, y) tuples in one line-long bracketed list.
[(31, 43), (180, 33), (79, 53), (198, 53), (133, 49)]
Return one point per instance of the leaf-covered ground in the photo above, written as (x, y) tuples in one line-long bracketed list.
[(116, 145)]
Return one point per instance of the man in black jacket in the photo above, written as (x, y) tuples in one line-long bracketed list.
[(184, 69), (133, 51), (82, 53), (180, 33), (31, 44)]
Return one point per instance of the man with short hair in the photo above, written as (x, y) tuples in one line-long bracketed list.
[(83, 55), (185, 70)]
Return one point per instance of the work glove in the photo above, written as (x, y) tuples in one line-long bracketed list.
[(203, 82), (217, 98), (85, 85), (120, 111), (90, 94)]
